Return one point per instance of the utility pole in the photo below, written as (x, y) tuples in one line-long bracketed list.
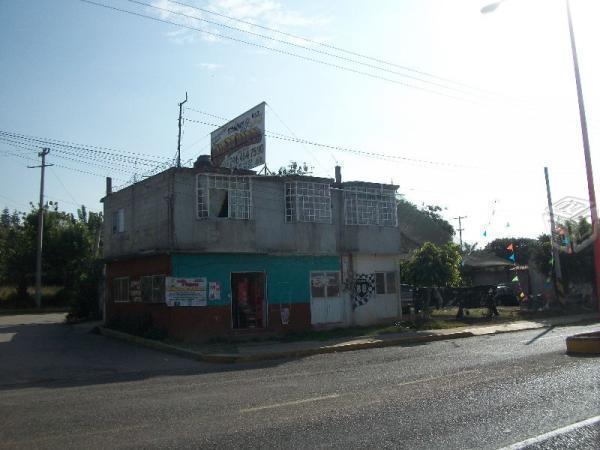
[(460, 229), (179, 138), (587, 157), (555, 253), (38, 261)]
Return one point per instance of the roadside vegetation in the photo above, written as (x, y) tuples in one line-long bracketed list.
[(71, 265)]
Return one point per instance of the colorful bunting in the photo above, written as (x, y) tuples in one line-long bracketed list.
[(512, 257), (485, 233), (515, 279), (509, 247)]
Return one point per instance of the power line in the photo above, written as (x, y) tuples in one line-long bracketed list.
[(339, 49), (285, 52), (294, 135), (348, 150), (293, 44), (90, 148), (64, 187), (6, 152), (108, 165)]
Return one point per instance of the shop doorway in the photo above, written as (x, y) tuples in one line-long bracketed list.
[(248, 300)]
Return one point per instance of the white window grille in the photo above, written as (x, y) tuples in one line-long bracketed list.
[(223, 196), (307, 202), (370, 206), (325, 284)]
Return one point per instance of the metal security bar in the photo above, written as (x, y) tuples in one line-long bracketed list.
[(239, 195), (307, 202), (370, 206)]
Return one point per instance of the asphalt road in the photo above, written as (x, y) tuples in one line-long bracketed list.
[(61, 387)]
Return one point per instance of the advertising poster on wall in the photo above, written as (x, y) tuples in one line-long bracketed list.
[(240, 143), (185, 291), (214, 291)]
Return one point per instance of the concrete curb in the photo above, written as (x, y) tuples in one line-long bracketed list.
[(584, 344), (231, 358)]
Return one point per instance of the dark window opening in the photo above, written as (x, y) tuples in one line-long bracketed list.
[(219, 203), (248, 300)]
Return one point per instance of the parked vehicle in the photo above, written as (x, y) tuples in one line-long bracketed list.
[(506, 295)]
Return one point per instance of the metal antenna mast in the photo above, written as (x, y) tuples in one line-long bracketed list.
[(179, 138)]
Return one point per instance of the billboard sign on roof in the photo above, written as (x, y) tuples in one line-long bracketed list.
[(240, 143)]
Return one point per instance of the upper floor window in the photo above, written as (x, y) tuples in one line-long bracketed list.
[(370, 206), (118, 221), (307, 202), (223, 196)]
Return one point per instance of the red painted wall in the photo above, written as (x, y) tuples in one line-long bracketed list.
[(188, 323)]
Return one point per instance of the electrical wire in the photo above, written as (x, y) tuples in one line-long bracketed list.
[(285, 52), (86, 162), (61, 166), (293, 44), (90, 148), (332, 47), (350, 150)]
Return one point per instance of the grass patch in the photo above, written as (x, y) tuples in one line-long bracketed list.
[(43, 310), (47, 291)]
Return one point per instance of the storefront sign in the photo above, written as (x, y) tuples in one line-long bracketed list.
[(214, 291), (185, 291)]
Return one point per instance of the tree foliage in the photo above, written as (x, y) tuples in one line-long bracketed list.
[(427, 213), (295, 168), (70, 249), (433, 266)]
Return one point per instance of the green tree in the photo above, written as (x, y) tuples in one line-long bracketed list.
[(295, 168), (426, 218), (432, 266), (71, 253)]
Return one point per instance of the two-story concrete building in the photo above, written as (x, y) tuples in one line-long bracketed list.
[(278, 252)]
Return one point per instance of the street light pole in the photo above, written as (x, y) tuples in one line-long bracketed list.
[(586, 145), (588, 159)]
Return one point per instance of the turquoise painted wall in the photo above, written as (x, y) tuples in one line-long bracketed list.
[(288, 277)]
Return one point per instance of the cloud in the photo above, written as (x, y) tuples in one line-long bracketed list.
[(268, 13), (209, 66)]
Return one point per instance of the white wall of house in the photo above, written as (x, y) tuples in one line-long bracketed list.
[(379, 307)]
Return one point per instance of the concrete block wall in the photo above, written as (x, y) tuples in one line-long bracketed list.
[(150, 226)]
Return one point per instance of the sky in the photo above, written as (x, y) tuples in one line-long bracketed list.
[(468, 107)]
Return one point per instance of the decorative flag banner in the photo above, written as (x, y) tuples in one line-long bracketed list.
[(512, 257), (522, 295), (485, 233), (515, 279), (509, 247)]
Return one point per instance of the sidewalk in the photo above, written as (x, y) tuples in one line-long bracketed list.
[(262, 351)]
